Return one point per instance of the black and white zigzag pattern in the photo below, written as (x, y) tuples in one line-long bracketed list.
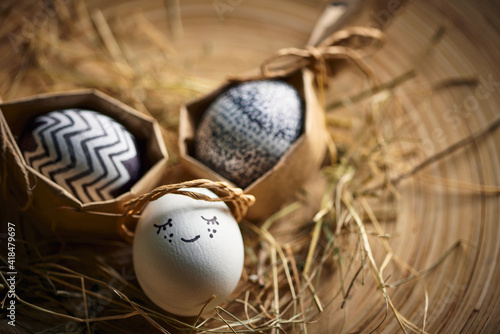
[(87, 153)]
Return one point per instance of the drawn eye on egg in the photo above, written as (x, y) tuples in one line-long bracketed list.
[(163, 227), (210, 221)]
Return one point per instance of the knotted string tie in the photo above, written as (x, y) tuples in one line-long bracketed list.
[(349, 44)]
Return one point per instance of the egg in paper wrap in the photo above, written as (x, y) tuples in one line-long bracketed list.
[(248, 128), (187, 250), (87, 153)]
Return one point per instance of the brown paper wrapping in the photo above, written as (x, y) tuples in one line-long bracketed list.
[(280, 184), (52, 209)]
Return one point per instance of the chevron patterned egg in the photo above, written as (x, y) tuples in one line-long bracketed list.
[(87, 153), (247, 129), (185, 251)]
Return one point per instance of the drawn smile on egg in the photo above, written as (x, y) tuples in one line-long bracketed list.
[(169, 224), (191, 240)]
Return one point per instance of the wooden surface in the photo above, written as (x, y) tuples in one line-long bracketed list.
[(433, 212)]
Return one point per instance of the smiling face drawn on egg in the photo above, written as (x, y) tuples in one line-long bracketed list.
[(168, 224)]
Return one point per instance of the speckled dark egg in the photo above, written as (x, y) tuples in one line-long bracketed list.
[(87, 153), (248, 128)]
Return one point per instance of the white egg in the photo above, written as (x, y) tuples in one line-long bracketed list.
[(187, 250)]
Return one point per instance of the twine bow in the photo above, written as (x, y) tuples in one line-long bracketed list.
[(344, 44), (238, 201)]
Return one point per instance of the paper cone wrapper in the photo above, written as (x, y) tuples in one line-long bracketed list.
[(53, 209), (281, 184)]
